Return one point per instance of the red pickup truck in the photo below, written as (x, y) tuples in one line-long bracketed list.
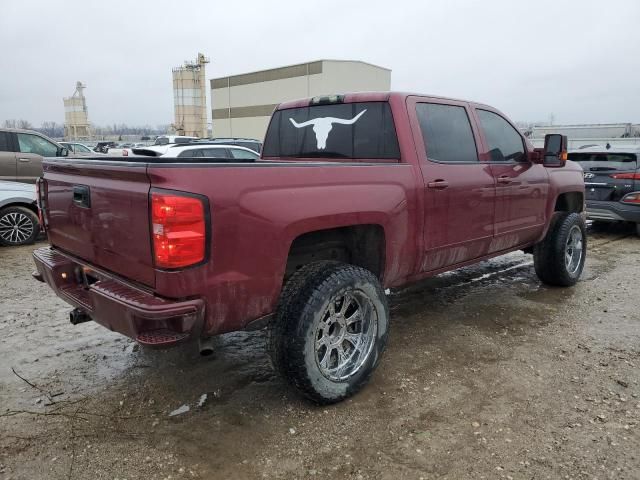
[(353, 194)]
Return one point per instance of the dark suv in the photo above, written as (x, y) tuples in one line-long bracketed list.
[(612, 183), (21, 153)]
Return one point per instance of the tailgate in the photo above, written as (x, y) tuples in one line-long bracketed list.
[(99, 211)]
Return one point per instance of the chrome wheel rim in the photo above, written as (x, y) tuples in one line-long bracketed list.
[(15, 227), (345, 335), (574, 249)]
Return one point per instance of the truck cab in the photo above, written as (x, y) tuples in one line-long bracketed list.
[(352, 194)]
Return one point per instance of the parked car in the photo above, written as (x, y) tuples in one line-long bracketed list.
[(612, 181), (198, 150), (19, 223), (253, 144), (353, 194), (103, 147), (167, 139), (79, 149), (21, 153)]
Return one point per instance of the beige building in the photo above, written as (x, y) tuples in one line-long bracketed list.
[(76, 116), (242, 104), (190, 98)]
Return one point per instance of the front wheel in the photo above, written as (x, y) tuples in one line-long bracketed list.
[(330, 330), (559, 258)]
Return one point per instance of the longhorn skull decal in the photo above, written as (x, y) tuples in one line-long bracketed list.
[(323, 125)]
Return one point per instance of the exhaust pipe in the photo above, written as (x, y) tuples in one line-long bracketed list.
[(206, 346), (77, 316)]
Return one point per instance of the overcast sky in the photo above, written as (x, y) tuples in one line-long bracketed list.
[(576, 59)]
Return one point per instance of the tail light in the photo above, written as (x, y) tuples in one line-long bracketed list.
[(125, 153), (626, 176), (633, 197), (41, 201), (179, 230)]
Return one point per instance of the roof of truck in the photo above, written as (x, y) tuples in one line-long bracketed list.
[(372, 97)]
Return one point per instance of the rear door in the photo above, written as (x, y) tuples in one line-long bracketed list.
[(608, 176), (459, 189), (7, 156), (31, 149), (522, 187), (99, 211)]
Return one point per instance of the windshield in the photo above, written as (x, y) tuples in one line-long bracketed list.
[(362, 130), (605, 161)]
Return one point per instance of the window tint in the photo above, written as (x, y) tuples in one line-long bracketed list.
[(5, 142), (342, 130), (237, 153), (193, 153), (505, 143), (447, 133), (81, 148), (35, 144), (614, 161), (216, 153)]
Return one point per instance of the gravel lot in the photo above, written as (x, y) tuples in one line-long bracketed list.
[(488, 374)]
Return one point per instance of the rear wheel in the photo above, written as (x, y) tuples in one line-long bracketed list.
[(559, 258), (18, 226), (330, 330)]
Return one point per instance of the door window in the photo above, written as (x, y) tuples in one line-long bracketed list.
[(505, 143), (216, 153), (192, 153), (5, 142), (243, 154), (447, 133), (35, 144)]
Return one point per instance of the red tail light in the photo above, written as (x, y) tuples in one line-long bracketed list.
[(179, 230), (626, 176), (633, 197), (125, 153)]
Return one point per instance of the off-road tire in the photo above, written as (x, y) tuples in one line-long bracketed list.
[(292, 335), (20, 213), (549, 254)]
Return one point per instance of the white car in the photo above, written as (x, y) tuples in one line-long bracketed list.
[(167, 139), (199, 150), (19, 223), (79, 149)]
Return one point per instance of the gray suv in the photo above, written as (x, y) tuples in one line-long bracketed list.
[(21, 153), (612, 183)]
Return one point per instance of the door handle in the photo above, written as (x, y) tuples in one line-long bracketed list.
[(504, 179), (438, 184), (82, 196), (26, 160)]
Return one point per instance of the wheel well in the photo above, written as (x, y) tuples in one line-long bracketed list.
[(570, 202), (361, 245), (31, 206)]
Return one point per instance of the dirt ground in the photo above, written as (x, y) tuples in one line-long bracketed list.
[(488, 374)]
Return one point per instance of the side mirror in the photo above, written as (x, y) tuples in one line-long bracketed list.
[(555, 150), (63, 152)]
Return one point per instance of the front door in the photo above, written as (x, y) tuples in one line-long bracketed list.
[(459, 189), (31, 149), (522, 187)]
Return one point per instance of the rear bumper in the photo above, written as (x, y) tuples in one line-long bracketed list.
[(612, 211), (116, 304)]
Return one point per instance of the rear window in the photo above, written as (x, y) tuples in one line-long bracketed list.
[(617, 161), (362, 130)]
